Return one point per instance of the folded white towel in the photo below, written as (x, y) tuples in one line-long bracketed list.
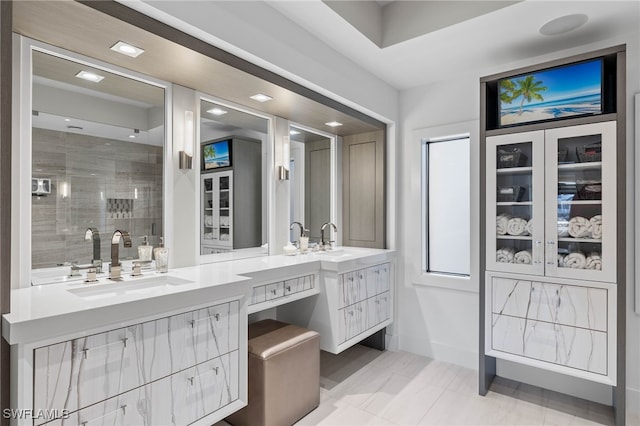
[(516, 226), (563, 228), (596, 226), (208, 220), (523, 257), (505, 255), (575, 260), (529, 227), (561, 260), (579, 227), (501, 223), (594, 261)]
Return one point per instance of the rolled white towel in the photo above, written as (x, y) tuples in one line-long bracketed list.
[(516, 226), (501, 224), (596, 226), (529, 227), (505, 255), (575, 260), (208, 220), (594, 261), (579, 227), (561, 260), (523, 257), (563, 228)]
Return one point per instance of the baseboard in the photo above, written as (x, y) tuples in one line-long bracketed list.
[(633, 406)]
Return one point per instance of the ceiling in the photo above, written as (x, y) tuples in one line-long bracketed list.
[(481, 45)]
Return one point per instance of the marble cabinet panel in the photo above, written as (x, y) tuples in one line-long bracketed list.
[(573, 347), (378, 309), (577, 306), (275, 290), (352, 320), (258, 294), (352, 288), (299, 284), (377, 279)]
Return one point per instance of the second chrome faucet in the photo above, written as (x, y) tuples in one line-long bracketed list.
[(116, 267)]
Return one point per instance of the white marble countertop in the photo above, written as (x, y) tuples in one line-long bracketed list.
[(46, 311)]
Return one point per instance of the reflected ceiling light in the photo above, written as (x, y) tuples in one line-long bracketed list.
[(67, 120), (563, 24), (333, 124), (127, 49), (293, 132), (261, 97), (217, 111), (90, 76), (135, 133)]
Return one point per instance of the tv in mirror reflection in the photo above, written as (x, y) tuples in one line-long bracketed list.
[(216, 155)]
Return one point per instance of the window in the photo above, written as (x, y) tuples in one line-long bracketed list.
[(446, 205)]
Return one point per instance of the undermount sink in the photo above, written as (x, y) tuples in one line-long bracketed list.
[(128, 287), (336, 252)]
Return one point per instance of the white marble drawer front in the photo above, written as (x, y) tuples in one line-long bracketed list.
[(577, 306), (273, 291), (573, 347), (377, 279), (378, 309), (352, 288), (179, 399), (87, 370), (352, 320)]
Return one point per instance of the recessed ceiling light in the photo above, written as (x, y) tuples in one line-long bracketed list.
[(67, 120), (261, 97), (564, 24), (127, 49), (217, 111), (333, 124), (132, 136), (293, 132), (90, 76)]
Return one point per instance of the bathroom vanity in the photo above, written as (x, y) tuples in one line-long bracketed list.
[(174, 346)]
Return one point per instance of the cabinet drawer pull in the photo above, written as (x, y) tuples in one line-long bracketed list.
[(378, 271), (351, 313), (350, 278), (360, 308), (361, 276), (273, 291), (192, 378), (288, 288), (122, 407), (551, 242), (85, 351), (215, 316)]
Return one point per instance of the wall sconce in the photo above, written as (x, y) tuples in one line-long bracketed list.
[(285, 158), (186, 153)]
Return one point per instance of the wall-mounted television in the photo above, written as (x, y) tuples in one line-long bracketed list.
[(216, 155), (551, 94)]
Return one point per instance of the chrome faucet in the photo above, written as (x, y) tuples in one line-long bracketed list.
[(116, 267), (92, 234), (301, 226), (323, 244)]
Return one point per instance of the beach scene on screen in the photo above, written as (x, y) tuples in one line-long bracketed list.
[(216, 155), (551, 94)]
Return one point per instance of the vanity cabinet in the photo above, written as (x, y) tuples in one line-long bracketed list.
[(268, 295), (355, 302), (144, 365)]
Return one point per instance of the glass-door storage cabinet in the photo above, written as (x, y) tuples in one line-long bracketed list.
[(217, 212), (551, 202)]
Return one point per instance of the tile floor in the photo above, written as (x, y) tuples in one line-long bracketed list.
[(363, 386)]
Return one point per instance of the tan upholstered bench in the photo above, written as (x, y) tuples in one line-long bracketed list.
[(284, 375)]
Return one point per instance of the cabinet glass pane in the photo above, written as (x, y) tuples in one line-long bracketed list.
[(514, 206), (580, 202)]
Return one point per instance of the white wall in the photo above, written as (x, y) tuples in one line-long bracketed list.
[(443, 323)]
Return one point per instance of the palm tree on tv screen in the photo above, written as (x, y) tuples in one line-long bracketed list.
[(526, 87), (209, 151)]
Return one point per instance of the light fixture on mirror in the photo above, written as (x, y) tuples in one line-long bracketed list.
[(283, 159), (217, 111), (90, 76), (333, 124), (186, 153), (260, 97)]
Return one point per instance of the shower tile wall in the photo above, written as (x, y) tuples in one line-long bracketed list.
[(86, 174)]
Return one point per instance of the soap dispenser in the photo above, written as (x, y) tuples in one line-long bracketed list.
[(145, 250), (161, 254)]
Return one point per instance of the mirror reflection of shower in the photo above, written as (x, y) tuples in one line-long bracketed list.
[(310, 181)]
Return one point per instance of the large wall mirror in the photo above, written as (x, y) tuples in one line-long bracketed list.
[(233, 189), (97, 157), (312, 177)]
